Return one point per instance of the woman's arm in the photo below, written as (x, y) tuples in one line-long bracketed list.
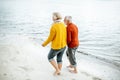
[(50, 37)]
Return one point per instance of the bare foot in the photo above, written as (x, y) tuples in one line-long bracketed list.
[(56, 73), (73, 71), (70, 66)]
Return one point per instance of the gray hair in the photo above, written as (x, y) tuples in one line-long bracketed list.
[(69, 18)]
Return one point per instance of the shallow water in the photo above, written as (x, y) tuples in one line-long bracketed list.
[(97, 20)]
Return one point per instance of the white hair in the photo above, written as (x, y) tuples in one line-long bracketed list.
[(69, 18)]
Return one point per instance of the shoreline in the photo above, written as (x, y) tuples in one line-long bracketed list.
[(114, 64)]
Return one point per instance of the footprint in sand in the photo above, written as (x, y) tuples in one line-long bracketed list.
[(17, 52), (95, 78), (73, 79), (28, 79), (5, 74), (25, 68), (85, 73)]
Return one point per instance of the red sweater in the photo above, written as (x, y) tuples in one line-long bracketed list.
[(72, 35)]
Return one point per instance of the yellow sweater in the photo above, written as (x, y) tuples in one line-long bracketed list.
[(57, 36)]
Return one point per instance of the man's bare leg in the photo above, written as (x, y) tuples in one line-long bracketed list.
[(54, 64), (74, 71), (70, 66)]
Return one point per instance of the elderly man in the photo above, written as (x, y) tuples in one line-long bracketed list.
[(72, 43)]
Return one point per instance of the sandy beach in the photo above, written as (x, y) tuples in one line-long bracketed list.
[(23, 59)]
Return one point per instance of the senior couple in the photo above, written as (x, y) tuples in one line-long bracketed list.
[(61, 36)]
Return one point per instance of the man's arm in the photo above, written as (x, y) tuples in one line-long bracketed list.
[(68, 36)]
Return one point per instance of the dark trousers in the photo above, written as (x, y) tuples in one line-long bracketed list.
[(71, 56)]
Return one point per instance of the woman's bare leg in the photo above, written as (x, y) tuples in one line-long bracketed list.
[(54, 64), (60, 66)]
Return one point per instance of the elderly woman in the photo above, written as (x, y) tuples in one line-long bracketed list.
[(58, 39)]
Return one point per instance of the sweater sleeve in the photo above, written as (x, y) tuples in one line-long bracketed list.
[(50, 37), (68, 35)]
